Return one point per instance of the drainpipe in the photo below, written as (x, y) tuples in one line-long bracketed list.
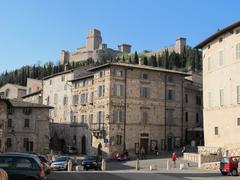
[(165, 112), (125, 111), (182, 112)]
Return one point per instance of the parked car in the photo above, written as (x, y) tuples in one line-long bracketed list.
[(60, 163), (230, 165), (22, 166), (92, 162), (121, 156)]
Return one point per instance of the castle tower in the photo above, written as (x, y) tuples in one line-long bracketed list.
[(94, 39), (180, 44)]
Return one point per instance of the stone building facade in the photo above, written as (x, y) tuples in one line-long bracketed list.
[(91, 105), (24, 126), (12, 91), (94, 49), (221, 88)]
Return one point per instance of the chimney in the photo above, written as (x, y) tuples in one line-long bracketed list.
[(140, 61), (66, 67)]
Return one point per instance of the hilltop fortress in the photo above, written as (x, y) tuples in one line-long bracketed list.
[(94, 49)]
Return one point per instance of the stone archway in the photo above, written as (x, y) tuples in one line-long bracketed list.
[(83, 145)]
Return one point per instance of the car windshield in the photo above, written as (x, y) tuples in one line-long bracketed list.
[(224, 160), (60, 159), (90, 157)]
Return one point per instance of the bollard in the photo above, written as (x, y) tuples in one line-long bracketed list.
[(167, 164), (150, 168), (137, 165), (103, 165), (69, 165)]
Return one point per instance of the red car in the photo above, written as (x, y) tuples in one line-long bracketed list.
[(230, 165)]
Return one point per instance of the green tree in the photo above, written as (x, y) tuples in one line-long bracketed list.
[(136, 58)]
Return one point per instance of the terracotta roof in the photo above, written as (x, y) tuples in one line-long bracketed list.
[(217, 34), (140, 67), (22, 104), (15, 85), (57, 74)]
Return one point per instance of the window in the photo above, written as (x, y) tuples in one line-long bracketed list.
[(27, 111), (119, 139), (169, 79), (9, 123), (209, 63), (238, 51), (118, 90), (216, 130), (23, 163), (118, 116), (238, 94), (119, 73), (9, 142), (145, 92), (198, 100), (238, 121), (186, 116), (186, 98), (50, 82), (26, 123), (221, 97), (65, 100), (144, 117), (221, 59), (74, 118), (29, 90), (100, 120), (144, 76), (55, 99), (84, 98), (101, 90), (48, 100), (171, 94), (197, 118), (209, 99), (84, 83), (63, 78), (75, 100), (83, 118), (101, 74), (10, 110)]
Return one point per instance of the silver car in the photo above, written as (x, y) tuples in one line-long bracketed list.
[(60, 163)]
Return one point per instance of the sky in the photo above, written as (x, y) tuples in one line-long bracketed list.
[(35, 31)]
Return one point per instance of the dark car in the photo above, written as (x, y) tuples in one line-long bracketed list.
[(92, 162), (22, 166), (230, 165)]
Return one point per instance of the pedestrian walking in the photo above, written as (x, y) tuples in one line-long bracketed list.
[(183, 150), (156, 150), (174, 158)]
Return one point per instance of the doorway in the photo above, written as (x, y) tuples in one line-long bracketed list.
[(83, 144), (144, 144), (169, 143)]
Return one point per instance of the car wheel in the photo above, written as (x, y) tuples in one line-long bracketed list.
[(234, 172)]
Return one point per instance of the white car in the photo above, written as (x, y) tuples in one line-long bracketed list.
[(60, 163)]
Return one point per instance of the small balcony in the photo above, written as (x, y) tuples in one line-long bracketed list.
[(98, 129)]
